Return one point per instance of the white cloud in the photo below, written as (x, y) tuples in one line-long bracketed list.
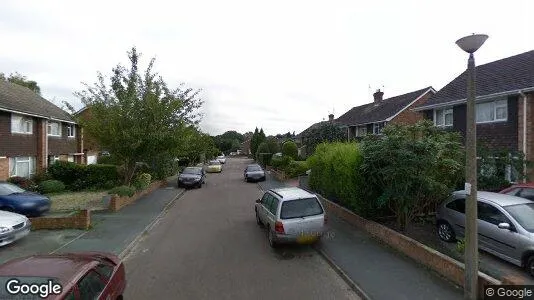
[(282, 65)]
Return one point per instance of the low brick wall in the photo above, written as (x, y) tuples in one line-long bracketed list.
[(440, 263), (76, 220), (117, 202)]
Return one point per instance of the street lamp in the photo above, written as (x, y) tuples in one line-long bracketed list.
[(470, 44)]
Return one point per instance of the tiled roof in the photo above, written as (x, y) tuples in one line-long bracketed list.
[(18, 98), (504, 75), (377, 112)]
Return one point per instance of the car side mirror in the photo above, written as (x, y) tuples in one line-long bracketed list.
[(504, 226), (258, 201)]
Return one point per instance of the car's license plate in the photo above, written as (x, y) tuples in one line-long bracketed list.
[(306, 238)]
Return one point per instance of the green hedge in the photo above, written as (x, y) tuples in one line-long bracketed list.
[(142, 181), (79, 177), (123, 190), (51, 186), (335, 174), (296, 168), (281, 162), (289, 148)]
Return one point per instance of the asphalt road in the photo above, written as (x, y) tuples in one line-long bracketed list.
[(208, 246)]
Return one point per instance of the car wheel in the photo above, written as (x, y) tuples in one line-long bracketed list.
[(445, 232), (199, 185), (258, 221), (270, 236)]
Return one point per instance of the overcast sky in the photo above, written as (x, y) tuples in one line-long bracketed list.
[(280, 65)]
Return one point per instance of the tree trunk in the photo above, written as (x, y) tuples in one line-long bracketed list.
[(129, 172)]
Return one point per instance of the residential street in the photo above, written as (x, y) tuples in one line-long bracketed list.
[(208, 246)]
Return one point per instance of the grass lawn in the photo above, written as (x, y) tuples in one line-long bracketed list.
[(76, 200)]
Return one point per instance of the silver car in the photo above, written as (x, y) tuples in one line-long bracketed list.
[(254, 172), (13, 227), (505, 225), (291, 215)]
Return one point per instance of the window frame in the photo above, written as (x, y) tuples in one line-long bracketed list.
[(455, 206), (71, 130), (444, 113), (273, 207), (30, 160), (378, 127), (491, 221), (499, 103), (24, 120), (98, 275), (49, 126)]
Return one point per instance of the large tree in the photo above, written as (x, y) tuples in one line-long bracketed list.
[(137, 116), (19, 79)]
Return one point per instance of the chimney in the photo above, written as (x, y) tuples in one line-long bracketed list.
[(331, 117), (378, 96)]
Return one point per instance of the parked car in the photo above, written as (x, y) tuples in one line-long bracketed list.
[(192, 177), (291, 215), (83, 275), (15, 199), (505, 225), (523, 190), (221, 159), (214, 166), (13, 227), (254, 172)]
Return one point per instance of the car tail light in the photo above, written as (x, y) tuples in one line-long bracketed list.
[(279, 227)]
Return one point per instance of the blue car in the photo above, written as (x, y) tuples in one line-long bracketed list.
[(17, 200)]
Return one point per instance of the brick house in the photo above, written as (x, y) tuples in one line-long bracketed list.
[(504, 105), (302, 138), (91, 148), (34, 133), (372, 117)]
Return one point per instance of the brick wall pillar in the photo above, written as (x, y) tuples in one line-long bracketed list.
[(4, 168), (529, 153), (42, 156)]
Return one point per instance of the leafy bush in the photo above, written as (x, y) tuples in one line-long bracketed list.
[(296, 168), (142, 181), (79, 177), (335, 174), (108, 160), (51, 186), (123, 190), (281, 162), (41, 176), (289, 148), (23, 183)]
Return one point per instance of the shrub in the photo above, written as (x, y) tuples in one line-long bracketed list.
[(108, 160), (289, 148), (142, 181), (51, 186), (41, 176), (281, 162), (79, 177), (335, 174), (123, 190), (296, 168), (22, 182)]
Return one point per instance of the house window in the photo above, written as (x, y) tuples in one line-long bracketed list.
[(70, 158), (361, 130), (71, 130), (23, 166), (54, 129), (492, 111), (378, 127), (53, 159), (443, 117), (21, 124)]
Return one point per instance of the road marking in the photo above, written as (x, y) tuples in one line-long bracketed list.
[(70, 242)]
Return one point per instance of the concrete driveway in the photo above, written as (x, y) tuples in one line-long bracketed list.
[(208, 246)]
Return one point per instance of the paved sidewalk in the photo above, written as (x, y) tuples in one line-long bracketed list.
[(113, 232), (381, 272)]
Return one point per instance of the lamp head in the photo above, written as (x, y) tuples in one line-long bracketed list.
[(471, 43)]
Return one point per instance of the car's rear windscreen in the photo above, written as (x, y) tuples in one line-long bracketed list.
[(300, 208)]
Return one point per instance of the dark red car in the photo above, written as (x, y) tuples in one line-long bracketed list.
[(523, 190), (82, 275)]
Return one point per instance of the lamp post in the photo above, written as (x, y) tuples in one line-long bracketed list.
[(470, 44)]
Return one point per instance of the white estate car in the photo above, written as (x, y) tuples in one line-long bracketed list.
[(13, 227)]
